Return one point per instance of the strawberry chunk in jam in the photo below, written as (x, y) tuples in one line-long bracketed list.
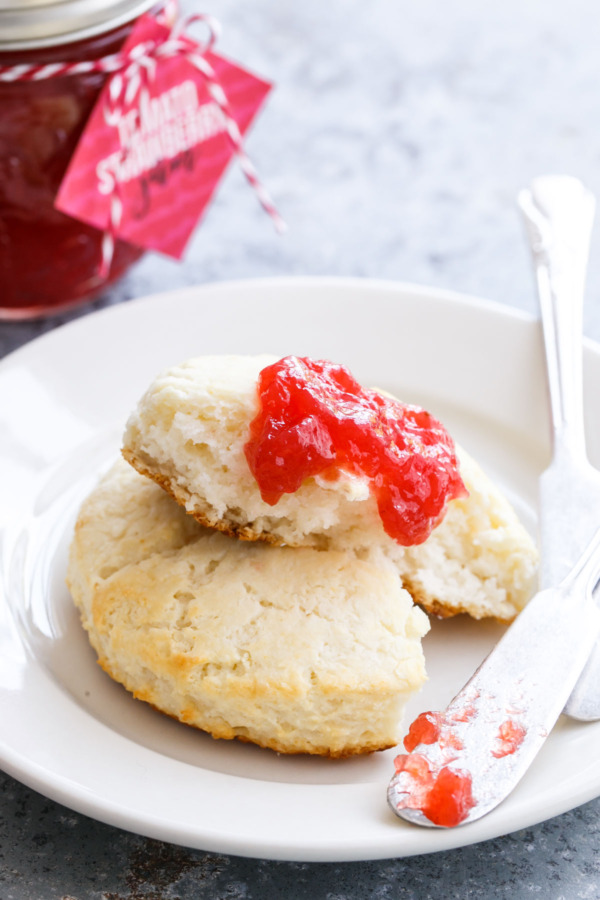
[(444, 796), (424, 730), (316, 419), (510, 737)]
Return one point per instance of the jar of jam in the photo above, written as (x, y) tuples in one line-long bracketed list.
[(49, 261)]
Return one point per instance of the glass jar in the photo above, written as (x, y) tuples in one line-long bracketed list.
[(49, 261)]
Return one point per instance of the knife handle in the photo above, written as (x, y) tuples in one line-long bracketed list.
[(559, 214)]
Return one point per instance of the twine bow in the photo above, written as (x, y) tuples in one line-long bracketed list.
[(132, 72)]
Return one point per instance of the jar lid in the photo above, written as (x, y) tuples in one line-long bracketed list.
[(26, 24)]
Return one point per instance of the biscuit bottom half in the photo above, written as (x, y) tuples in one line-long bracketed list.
[(295, 649)]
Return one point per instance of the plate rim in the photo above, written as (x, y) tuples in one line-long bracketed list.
[(124, 307)]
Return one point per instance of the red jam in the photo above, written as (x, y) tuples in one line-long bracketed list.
[(434, 728), (424, 730), (49, 261), (316, 419), (464, 715), (509, 739), (444, 797)]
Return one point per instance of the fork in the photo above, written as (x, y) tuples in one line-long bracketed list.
[(559, 212)]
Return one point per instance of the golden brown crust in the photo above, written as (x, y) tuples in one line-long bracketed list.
[(435, 608), (242, 532), (276, 746), (228, 734)]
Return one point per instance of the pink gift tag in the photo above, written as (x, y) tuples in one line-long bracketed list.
[(158, 156)]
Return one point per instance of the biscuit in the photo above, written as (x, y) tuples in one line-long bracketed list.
[(298, 650), (188, 433)]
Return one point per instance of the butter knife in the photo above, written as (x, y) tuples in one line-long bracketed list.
[(470, 757), (559, 213)]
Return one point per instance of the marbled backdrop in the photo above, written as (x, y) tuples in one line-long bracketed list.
[(394, 144)]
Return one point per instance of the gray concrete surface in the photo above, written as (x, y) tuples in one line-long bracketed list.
[(394, 144)]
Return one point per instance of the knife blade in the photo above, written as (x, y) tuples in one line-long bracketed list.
[(462, 763)]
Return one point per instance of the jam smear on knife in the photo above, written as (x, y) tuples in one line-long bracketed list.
[(444, 796)]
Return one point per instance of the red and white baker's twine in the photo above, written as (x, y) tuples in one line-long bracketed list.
[(133, 70)]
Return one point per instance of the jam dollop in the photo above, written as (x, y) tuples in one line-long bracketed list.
[(316, 419)]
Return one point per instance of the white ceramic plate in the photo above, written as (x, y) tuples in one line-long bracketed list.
[(77, 737)]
